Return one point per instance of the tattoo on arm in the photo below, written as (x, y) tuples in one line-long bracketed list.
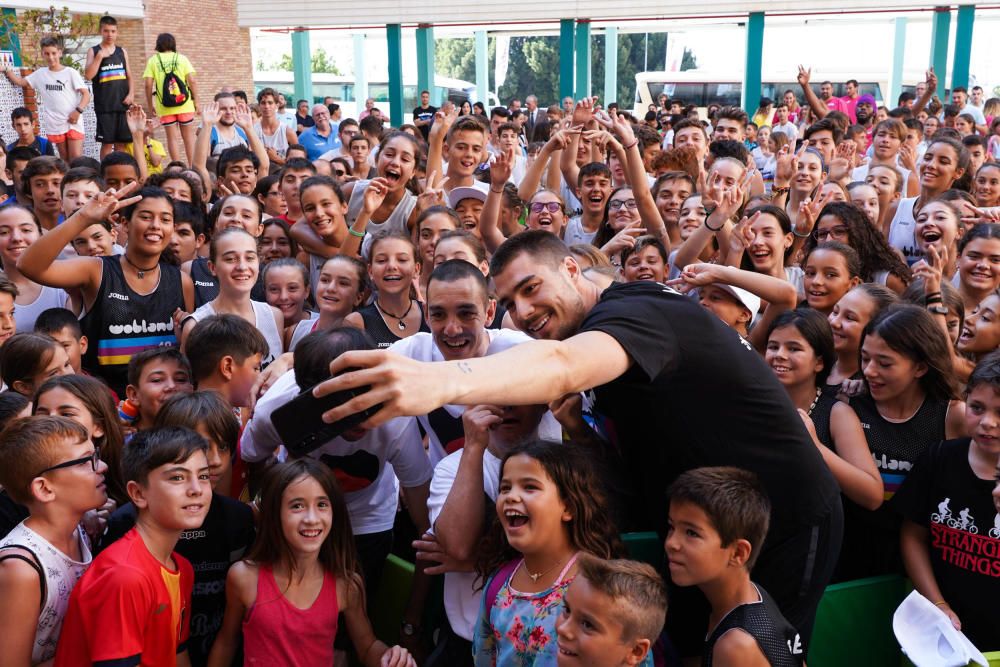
[(464, 367)]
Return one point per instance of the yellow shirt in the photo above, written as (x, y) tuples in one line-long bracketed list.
[(182, 67), (152, 146)]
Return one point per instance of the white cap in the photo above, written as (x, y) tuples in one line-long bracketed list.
[(928, 638), (750, 301), (460, 193)]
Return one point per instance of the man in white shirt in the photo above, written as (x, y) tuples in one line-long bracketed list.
[(960, 98), (782, 124)]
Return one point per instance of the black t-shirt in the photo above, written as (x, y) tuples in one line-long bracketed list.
[(777, 639), (420, 113), (224, 537), (304, 121), (943, 495), (699, 395)]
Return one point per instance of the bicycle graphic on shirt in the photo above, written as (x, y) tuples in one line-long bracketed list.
[(964, 521)]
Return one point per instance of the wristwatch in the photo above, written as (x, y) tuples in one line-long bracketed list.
[(938, 309), (409, 629)]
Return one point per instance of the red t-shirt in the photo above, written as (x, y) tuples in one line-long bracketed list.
[(127, 609)]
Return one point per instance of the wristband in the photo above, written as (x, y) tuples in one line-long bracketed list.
[(932, 295), (635, 142), (775, 192), (710, 227), (940, 603), (79, 110), (801, 236), (497, 192), (360, 235)]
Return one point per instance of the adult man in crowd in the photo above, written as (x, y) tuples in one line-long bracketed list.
[(108, 69), (321, 137), (960, 98), (534, 117), (656, 363), (423, 115), (302, 118)]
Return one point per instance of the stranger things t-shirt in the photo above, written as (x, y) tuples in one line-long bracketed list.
[(699, 395), (943, 495)]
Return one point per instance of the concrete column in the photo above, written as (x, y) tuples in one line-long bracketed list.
[(360, 76), (582, 59), (898, 52), (566, 55), (940, 27), (302, 66), (425, 63), (394, 40), (483, 68), (751, 67), (610, 65), (963, 46)]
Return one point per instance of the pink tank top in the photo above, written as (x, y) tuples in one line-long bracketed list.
[(276, 632)]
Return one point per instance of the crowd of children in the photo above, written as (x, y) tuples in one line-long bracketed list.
[(771, 342)]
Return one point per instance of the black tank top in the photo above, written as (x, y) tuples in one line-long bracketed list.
[(377, 330), (820, 416), (123, 322), (777, 639), (206, 285), (871, 539), (110, 82)]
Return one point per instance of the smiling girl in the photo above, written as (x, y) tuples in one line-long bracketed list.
[(286, 282), (129, 300), (343, 286), (831, 270), (978, 264), (234, 261)]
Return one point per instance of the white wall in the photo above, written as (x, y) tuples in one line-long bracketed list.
[(129, 9)]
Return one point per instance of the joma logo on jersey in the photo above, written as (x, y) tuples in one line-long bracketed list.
[(116, 295), (140, 327)]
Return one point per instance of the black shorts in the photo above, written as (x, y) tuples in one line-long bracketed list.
[(112, 128)]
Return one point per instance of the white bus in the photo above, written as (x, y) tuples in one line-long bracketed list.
[(702, 88), (341, 89)]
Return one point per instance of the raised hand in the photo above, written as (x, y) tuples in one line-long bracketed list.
[(803, 76), (908, 157), (559, 140), (930, 269), (243, 117), (443, 120), (432, 195), (103, 204), (848, 150), (696, 275), (210, 114), (501, 168), (624, 239), (809, 212), (742, 235), (786, 164), (478, 421), (623, 129), (931, 80), (599, 138), (583, 113), (375, 194), (136, 117)]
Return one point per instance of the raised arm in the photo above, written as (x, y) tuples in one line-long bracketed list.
[(635, 172), (489, 220), (533, 175), (443, 120), (407, 387), (136, 119), (930, 87), (84, 273), (373, 197), (815, 103), (14, 77), (203, 146), (245, 121)]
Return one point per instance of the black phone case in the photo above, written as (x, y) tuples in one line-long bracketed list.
[(300, 424)]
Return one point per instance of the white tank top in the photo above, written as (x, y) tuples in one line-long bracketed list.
[(302, 329), (26, 314), (266, 324), (397, 220), (902, 231), (61, 575)]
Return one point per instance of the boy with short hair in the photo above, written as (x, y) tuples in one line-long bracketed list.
[(40, 182), (462, 143), (718, 521), (8, 292), (78, 186), (189, 231), (119, 169), (290, 178), (237, 169), (361, 147), (23, 122), (114, 87), (64, 96), (133, 604), (52, 467), (225, 352), (154, 375), (593, 190), (63, 326), (612, 615), (17, 161)]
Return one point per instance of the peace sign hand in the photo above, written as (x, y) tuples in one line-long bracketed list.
[(103, 204), (375, 194), (930, 269), (501, 168)]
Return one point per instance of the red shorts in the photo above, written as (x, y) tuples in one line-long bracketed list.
[(61, 138), (180, 118)]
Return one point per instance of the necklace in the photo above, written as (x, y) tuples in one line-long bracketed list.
[(399, 318), (536, 576), (140, 271), (812, 406)]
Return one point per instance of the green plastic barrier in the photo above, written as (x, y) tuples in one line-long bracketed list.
[(857, 614), (645, 547), (391, 598)]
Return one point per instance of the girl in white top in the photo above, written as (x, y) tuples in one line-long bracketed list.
[(18, 230), (286, 285), (342, 286), (234, 260), (944, 162)]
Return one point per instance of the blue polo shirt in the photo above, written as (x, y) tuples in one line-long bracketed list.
[(315, 144)]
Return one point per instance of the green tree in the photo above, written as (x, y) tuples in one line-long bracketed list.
[(27, 28), (321, 64)]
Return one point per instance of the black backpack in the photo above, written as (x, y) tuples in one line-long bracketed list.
[(173, 91)]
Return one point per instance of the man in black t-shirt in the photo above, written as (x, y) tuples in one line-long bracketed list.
[(675, 389), (423, 116)]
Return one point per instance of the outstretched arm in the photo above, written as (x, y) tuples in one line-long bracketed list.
[(407, 387), (815, 103)]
